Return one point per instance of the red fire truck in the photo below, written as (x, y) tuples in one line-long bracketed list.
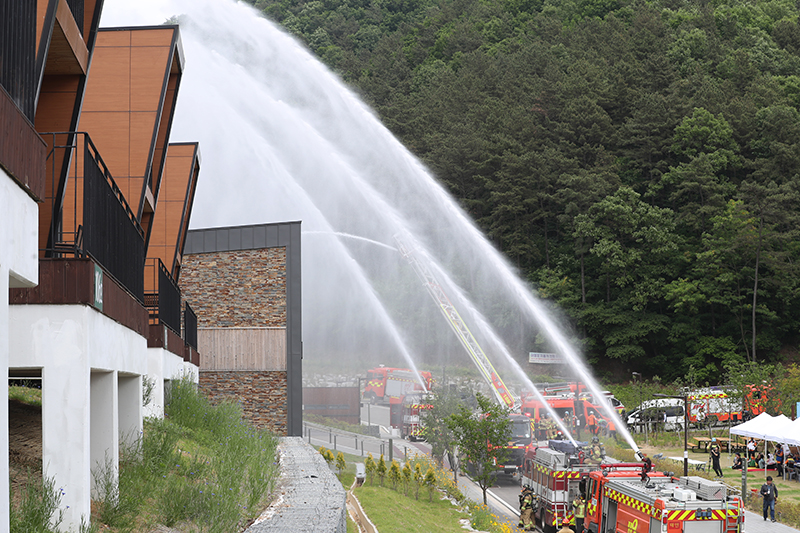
[(390, 385), (557, 474), (413, 406), (521, 439), (619, 498), (563, 404)]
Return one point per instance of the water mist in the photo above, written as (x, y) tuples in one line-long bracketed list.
[(283, 139)]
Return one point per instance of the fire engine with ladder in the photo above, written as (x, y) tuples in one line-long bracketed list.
[(521, 434), (624, 497), (455, 321)]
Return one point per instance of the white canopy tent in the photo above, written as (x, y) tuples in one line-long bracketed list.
[(768, 428), (756, 428)]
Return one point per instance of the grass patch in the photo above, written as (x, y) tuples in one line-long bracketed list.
[(201, 468), (26, 395), (38, 509), (435, 506), (337, 424), (390, 511)]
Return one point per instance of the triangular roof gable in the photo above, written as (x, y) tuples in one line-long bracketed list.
[(174, 207), (129, 105)]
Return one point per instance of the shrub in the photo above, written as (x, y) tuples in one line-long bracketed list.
[(370, 466), (407, 475), (430, 482), (394, 474), (38, 510), (381, 469), (341, 464)]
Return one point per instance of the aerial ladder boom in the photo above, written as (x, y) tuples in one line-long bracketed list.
[(463, 333)]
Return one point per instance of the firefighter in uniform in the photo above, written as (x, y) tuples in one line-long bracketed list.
[(578, 513), (591, 424), (597, 453), (526, 506), (538, 427), (552, 429), (565, 526)]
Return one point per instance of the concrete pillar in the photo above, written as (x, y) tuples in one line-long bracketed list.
[(4, 344), (104, 420), (155, 372), (66, 424), (130, 409)]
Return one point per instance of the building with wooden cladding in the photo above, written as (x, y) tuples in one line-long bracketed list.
[(244, 283), (83, 162)]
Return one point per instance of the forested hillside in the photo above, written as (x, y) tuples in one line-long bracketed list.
[(638, 161)]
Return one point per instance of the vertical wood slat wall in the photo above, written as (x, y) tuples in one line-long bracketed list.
[(242, 348)]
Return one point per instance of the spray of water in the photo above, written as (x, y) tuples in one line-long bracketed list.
[(348, 236), (283, 139)]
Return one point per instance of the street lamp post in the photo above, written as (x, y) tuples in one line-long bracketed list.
[(685, 430), (642, 420)]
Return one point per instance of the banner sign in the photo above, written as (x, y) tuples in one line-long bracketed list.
[(545, 358)]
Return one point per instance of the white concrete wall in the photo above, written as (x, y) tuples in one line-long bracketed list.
[(81, 353), (103, 426), (164, 366), (131, 411), (19, 267), (19, 231)]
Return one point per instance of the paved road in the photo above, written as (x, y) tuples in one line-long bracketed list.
[(502, 498)]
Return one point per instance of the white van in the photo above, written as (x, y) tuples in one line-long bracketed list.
[(650, 412)]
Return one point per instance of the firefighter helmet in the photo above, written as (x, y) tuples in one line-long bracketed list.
[(566, 521), (595, 440)]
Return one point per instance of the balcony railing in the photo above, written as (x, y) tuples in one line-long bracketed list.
[(164, 306), (76, 6), (18, 55), (190, 327), (89, 214)]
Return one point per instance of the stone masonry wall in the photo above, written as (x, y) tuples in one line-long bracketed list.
[(261, 394), (244, 288)]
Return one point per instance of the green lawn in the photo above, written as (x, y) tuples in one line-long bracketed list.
[(392, 512)]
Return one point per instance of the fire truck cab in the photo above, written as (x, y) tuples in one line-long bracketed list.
[(620, 500), (557, 474), (521, 438), (413, 406), (390, 385)]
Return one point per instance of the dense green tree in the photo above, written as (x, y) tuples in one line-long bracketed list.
[(443, 404), (637, 161), (481, 438)]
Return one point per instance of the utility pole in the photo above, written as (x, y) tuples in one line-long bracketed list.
[(685, 399)]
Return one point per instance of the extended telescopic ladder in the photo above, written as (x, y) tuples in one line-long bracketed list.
[(474, 350)]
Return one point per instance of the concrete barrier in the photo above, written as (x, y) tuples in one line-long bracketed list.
[(310, 497)]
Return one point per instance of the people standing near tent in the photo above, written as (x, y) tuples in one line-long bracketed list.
[(770, 494), (779, 457), (715, 454), (751, 449)]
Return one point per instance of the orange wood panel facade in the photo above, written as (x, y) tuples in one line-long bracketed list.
[(176, 195), (128, 109)]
